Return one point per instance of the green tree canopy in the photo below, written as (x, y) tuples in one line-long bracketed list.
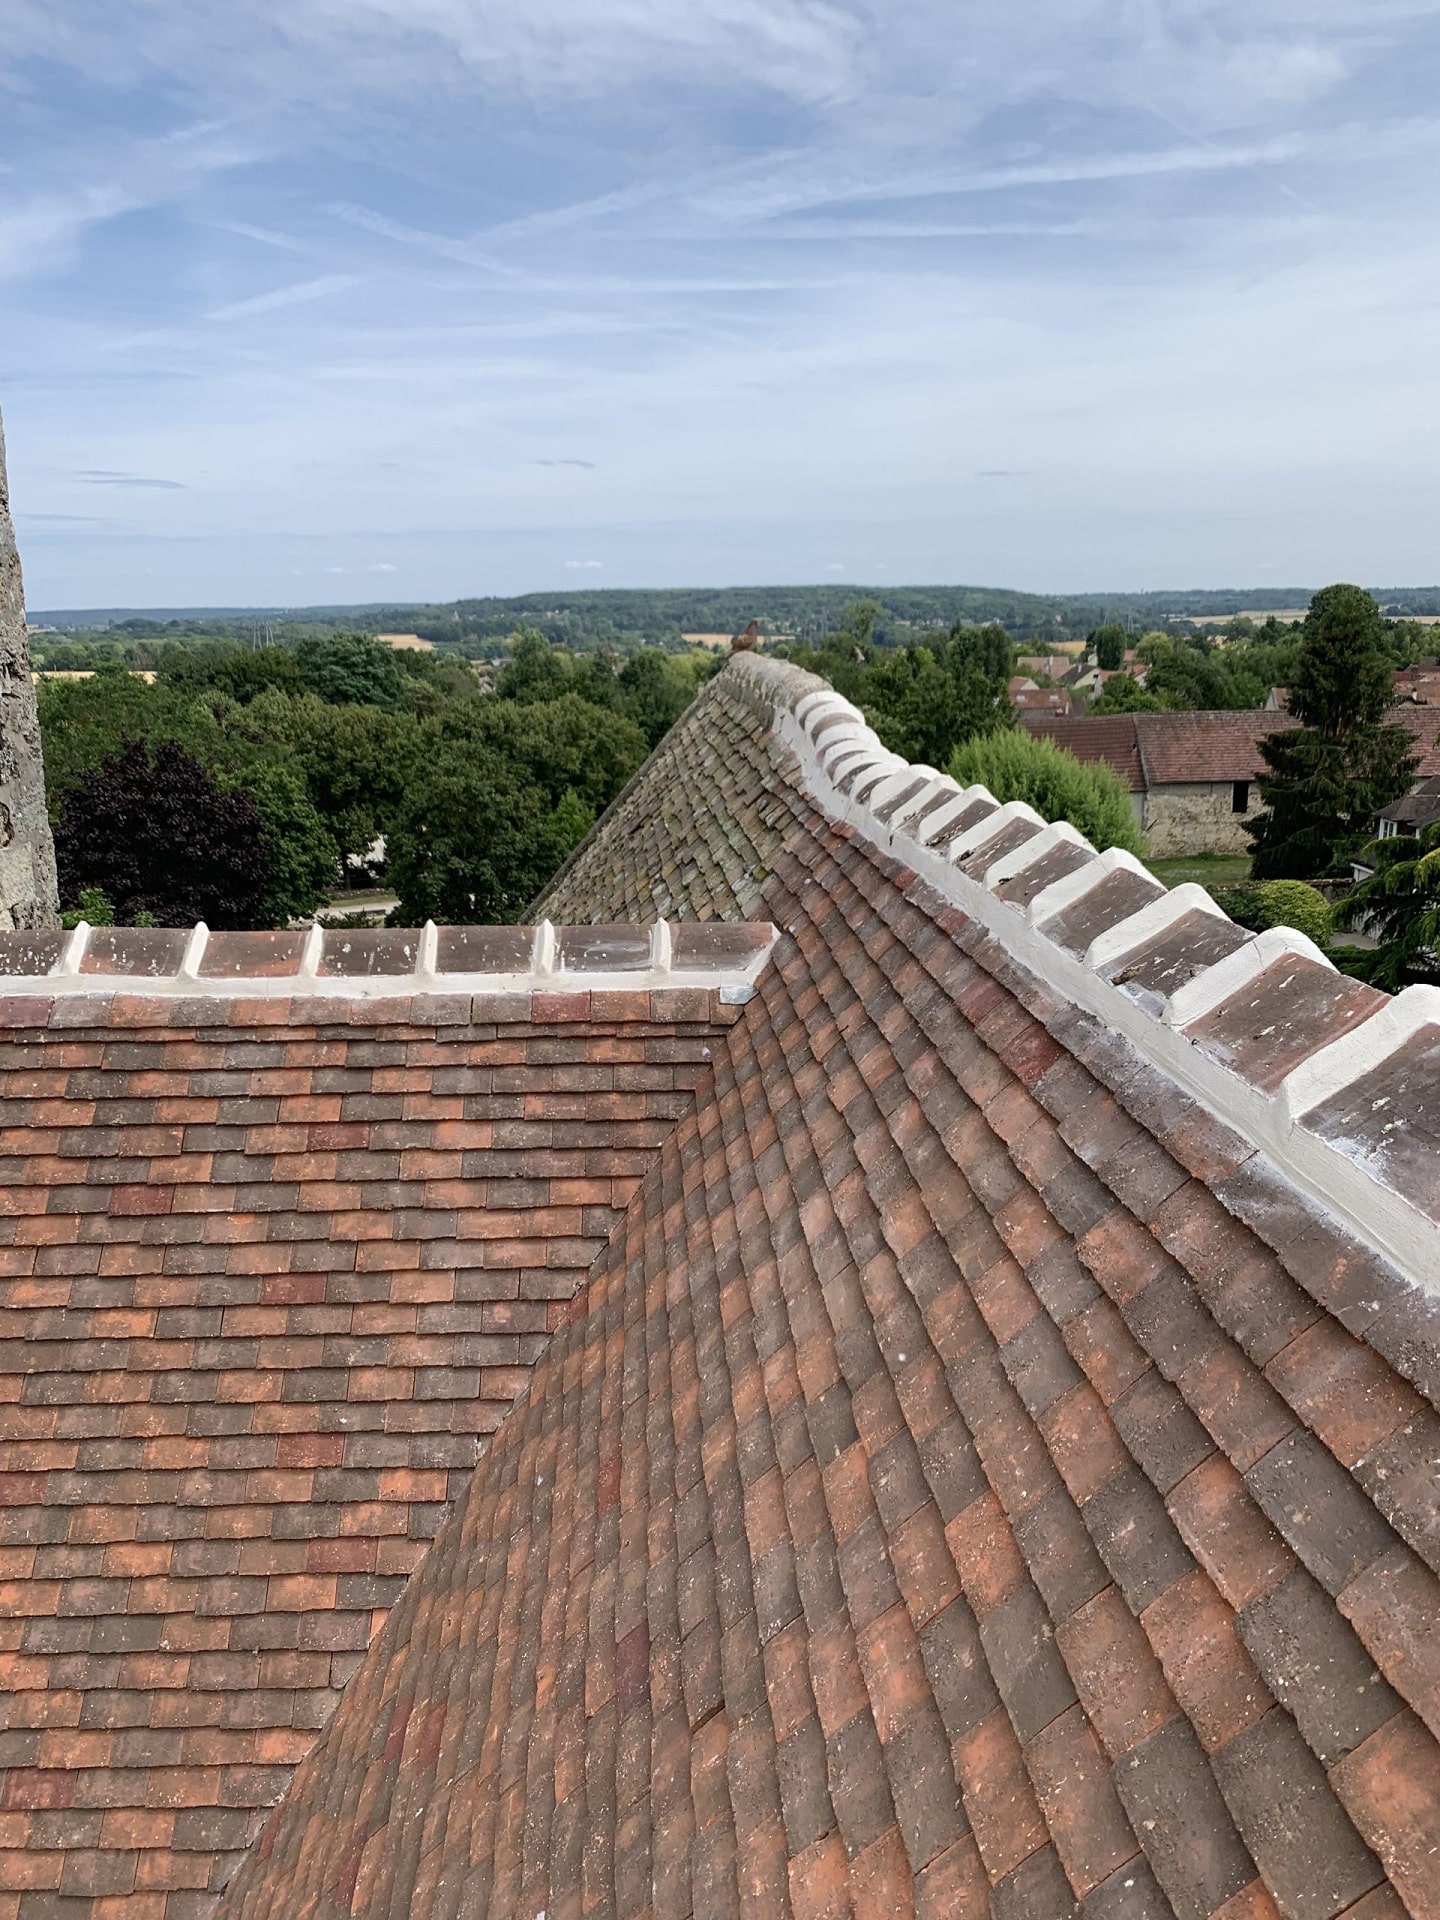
[(535, 670), (153, 833), (558, 745), (240, 674), (86, 722), (1342, 678), (356, 761), (351, 669), (1399, 905), (653, 693), (1016, 765), (923, 701), (1109, 643), (1329, 778), (1122, 693), (476, 841)]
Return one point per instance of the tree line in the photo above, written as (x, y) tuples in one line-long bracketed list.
[(625, 619), (246, 787)]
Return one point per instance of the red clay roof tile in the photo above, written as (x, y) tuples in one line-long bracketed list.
[(954, 1483)]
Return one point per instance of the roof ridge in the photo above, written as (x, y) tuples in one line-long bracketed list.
[(1261, 1029), (185, 964)]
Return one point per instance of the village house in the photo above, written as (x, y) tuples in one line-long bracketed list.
[(1192, 777)]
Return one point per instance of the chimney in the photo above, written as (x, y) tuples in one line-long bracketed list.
[(28, 896)]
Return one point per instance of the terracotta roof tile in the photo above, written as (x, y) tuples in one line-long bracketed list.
[(1175, 749), (971, 1478), (267, 1291)]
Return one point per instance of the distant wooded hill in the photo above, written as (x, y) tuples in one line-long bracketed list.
[(626, 618)]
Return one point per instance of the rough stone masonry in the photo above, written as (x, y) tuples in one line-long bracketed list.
[(28, 896)]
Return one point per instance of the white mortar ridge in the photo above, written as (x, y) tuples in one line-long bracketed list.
[(990, 828), (542, 951), (314, 947), (935, 824), (734, 983), (1143, 928), (1071, 887), (1338, 1182), (1059, 834), (1230, 977), (195, 951), (1360, 1051)]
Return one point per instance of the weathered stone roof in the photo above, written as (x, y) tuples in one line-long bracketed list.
[(991, 1468)]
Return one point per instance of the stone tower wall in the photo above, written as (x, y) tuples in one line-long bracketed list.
[(27, 855)]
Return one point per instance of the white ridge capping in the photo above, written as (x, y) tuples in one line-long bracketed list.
[(816, 707), (661, 948), (922, 832), (847, 729), (73, 951), (1354, 1054), (865, 750), (838, 749), (1381, 1217), (1153, 919), (891, 769), (961, 801), (542, 951), (832, 707), (895, 783), (427, 951), (905, 822), (1071, 887), (839, 722), (194, 951), (1232, 975), (309, 968), (987, 829), (1060, 833)]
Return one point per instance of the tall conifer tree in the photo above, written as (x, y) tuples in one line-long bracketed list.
[(1329, 778)]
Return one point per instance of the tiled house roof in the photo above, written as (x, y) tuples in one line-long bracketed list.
[(1177, 749), (279, 1245), (1110, 737), (991, 1469), (1180, 749)]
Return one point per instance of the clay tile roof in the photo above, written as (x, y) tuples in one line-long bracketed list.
[(1176, 749), (986, 1469), (1423, 725), (1110, 737), (277, 1253)]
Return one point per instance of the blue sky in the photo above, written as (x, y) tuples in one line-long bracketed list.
[(340, 300)]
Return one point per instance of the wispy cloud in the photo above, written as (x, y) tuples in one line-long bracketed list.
[(298, 293), (263, 236), (44, 233), (104, 477), (63, 520), (802, 276)]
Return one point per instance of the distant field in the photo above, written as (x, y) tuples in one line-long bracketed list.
[(1261, 614)]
